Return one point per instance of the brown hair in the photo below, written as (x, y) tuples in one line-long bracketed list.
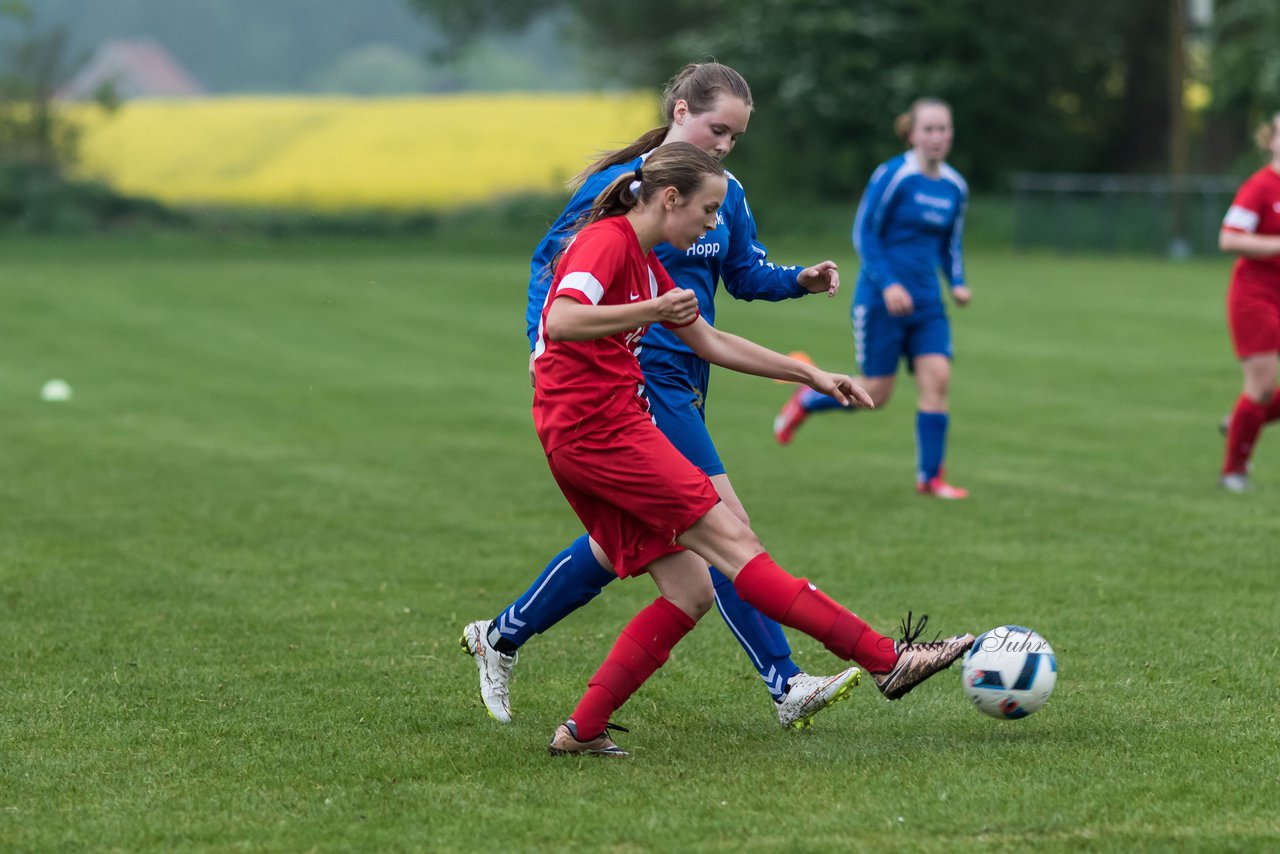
[(1266, 131), (698, 84), (904, 124), (678, 164)]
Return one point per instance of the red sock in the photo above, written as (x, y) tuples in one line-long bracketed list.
[(1246, 423), (795, 602), (1273, 407), (641, 649)]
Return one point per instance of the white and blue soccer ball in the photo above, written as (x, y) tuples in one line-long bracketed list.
[(1009, 672)]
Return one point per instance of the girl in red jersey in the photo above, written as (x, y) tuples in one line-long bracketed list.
[(1251, 229), (639, 497)]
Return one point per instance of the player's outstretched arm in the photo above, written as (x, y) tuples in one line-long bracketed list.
[(739, 354)]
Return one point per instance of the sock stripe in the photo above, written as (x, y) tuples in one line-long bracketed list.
[(746, 644), (545, 582)]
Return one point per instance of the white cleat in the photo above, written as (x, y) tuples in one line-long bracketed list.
[(1234, 482), (495, 670), (809, 695)]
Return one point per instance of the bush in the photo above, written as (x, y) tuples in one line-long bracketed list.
[(37, 199)]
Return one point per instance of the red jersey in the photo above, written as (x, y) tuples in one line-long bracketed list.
[(585, 385), (1256, 210)]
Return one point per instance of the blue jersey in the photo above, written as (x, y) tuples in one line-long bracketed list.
[(908, 226), (729, 252)]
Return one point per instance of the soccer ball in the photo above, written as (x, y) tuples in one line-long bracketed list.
[(1009, 672)]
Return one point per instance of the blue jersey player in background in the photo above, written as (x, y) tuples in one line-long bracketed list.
[(908, 226), (708, 105)]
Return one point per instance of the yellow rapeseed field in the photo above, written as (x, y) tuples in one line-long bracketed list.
[(330, 153)]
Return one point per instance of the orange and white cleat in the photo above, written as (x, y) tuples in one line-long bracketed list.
[(790, 417)]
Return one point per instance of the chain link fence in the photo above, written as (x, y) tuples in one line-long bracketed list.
[(1140, 214)]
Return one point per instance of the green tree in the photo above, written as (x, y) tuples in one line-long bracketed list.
[(1062, 85), (39, 144), (32, 135), (1244, 72), (375, 69)]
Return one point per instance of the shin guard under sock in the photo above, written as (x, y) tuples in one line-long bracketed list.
[(641, 649), (760, 637), (796, 603), (1246, 423), (1273, 406), (931, 444), (572, 579)]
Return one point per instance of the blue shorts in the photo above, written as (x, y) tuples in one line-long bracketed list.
[(882, 339), (676, 385)]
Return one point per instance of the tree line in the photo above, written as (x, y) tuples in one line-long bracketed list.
[(1042, 85)]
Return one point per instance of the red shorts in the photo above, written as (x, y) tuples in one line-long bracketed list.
[(1253, 315), (634, 492)]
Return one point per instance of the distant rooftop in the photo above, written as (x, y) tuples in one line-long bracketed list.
[(135, 69)]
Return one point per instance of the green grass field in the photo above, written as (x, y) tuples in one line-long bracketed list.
[(234, 567)]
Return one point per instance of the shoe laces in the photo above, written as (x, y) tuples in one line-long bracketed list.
[(911, 633)]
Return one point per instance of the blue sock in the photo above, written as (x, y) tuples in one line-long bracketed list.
[(571, 580), (816, 401), (931, 443), (760, 636)]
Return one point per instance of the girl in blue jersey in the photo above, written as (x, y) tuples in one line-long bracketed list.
[(707, 105), (909, 224)]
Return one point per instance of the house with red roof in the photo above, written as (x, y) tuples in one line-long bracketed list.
[(132, 69)]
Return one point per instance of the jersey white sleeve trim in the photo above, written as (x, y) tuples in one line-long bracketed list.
[(954, 177), (957, 261), (909, 166), (583, 282), (1241, 218)]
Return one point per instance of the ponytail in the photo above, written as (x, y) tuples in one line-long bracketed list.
[(700, 85), (676, 164), (647, 141)]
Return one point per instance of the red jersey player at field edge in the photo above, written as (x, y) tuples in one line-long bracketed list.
[(638, 497), (1251, 229)]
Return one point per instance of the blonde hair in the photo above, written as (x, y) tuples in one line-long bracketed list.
[(698, 84), (904, 124), (1266, 132)]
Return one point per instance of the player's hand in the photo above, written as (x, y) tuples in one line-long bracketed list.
[(961, 295), (842, 388), (532, 382), (678, 307), (819, 278), (897, 300)]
